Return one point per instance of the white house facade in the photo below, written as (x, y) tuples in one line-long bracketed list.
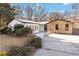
[(35, 26)]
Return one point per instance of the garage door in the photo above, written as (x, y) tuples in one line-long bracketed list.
[(75, 31)]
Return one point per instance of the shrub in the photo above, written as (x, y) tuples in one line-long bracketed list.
[(19, 51), (9, 31), (4, 30), (3, 53), (36, 42), (18, 26), (29, 30), (22, 31)]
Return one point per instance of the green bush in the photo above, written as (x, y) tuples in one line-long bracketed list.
[(36, 42), (18, 26), (29, 30), (23, 31), (19, 51)]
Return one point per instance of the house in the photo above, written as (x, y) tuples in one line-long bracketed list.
[(63, 26), (35, 26), (75, 29), (60, 26)]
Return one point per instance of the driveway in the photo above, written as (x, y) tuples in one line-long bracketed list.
[(66, 38), (58, 45)]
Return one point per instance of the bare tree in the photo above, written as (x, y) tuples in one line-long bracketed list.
[(29, 10), (18, 10), (35, 11), (75, 10), (75, 6), (56, 15), (40, 13), (66, 15)]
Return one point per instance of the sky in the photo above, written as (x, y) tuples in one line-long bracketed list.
[(57, 7), (50, 7)]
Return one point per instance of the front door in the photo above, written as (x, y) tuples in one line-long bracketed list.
[(56, 28), (75, 31), (45, 27)]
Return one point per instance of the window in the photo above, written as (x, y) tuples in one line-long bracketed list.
[(56, 27), (66, 26), (35, 27)]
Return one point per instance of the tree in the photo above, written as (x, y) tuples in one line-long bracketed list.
[(75, 6), (75, 10), (56, 15), (6, 14), (18, 10), (40, 13), (29, 11), (66, 15), (36, 11)]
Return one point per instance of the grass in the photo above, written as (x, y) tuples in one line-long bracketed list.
[(7, 41)]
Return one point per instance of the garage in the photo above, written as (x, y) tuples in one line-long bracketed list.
[(75, 31)]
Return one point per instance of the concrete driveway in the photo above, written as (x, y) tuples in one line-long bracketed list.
[(58, 45), (66, 38)]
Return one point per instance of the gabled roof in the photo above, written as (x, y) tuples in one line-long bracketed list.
[(24, 21), (61, 20), (27, 21)]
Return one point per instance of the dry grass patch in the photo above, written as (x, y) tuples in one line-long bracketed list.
[(26, 45), (8, 41)]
